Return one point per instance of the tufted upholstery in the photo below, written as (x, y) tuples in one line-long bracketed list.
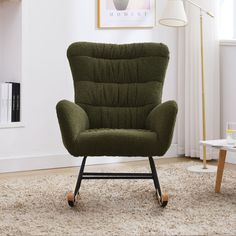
[(117, 109), (118, 85)]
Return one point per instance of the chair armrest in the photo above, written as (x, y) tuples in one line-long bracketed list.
[(162, 121), (72, 121)]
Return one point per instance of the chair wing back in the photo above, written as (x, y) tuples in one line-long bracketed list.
[(118, 85)]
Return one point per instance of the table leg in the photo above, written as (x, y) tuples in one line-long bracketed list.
[(220, 170)]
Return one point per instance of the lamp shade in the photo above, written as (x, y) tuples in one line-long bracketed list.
[(174, 14)]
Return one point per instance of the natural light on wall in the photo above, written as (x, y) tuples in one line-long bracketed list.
[(227, 19)]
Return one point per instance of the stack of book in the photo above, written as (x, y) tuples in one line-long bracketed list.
[(9, 102)]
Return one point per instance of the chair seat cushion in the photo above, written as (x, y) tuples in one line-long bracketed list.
[(117, 142)]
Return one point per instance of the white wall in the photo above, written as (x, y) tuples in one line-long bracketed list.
[(1, 38), (48, 29), (10, 41), (228, 88)]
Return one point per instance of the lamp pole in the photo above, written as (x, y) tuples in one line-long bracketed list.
[(175, 16), (203, 93), (203, 79), (201, 9)]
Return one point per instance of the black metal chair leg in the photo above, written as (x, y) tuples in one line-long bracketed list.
[(80, 176), (71, 197), (154, 175), (162, 198)]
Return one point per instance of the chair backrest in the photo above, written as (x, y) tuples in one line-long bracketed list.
[(118, 85)]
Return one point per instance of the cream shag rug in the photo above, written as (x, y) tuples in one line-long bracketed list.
[(37, 206)]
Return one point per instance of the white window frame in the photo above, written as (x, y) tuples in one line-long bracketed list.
[(231, 41)]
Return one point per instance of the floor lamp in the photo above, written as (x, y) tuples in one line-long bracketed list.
[(174, 15)]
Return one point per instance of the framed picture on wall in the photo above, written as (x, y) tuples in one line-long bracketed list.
[(126, 13)]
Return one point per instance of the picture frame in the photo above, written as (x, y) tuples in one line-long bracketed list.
[(126, 13)]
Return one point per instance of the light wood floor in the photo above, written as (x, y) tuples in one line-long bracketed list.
[(162, 161)]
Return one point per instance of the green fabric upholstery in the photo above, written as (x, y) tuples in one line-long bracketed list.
[(118, 85), (117, 109), (72, 120), (161, 120), (118, 142)]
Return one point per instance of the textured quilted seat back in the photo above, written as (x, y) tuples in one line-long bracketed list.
[(118, 85)]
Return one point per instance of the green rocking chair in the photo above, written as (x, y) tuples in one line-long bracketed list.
[(117, 109)]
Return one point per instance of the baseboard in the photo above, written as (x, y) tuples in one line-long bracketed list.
[(25, 163)]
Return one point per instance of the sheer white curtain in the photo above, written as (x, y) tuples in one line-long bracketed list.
[(189, 80)]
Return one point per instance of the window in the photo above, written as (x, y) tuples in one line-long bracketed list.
[(227, 27)]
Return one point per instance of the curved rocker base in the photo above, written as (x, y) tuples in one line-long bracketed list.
[(162, 198)]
